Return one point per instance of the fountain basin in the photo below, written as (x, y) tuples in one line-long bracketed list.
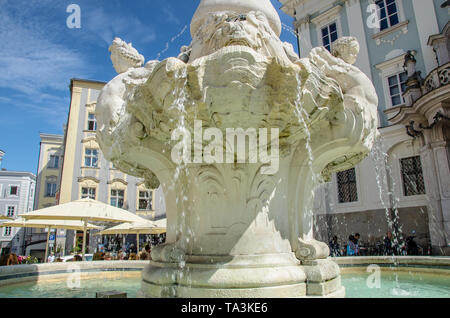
[(425, 277)]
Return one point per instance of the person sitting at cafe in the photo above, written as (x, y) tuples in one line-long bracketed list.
[(335, 249), (388, 250), (351, 247)]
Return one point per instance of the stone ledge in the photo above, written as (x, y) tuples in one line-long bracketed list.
[(33, 271), (393, 260)]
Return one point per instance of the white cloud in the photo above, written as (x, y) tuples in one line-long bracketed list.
[(171, 17), (34, 68), (108, 26)]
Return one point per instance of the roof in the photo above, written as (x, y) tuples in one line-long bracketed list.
[(19, 174), (86, 81)]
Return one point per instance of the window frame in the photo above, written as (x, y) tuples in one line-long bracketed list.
[(17, 190), (88, 193), (327, 27), (14, 211), (7, 232), (149, 198), (338, 192), (117, 197), (402, 25), (53, 164), (52, 194), (399, 84), (388, 68), (330, 16), (402, 176), (91, 156), (90, 120), (387, 18)]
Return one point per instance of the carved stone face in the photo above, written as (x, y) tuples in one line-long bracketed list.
[(346, 48), (120, 64), (224, 29), (124, 56)]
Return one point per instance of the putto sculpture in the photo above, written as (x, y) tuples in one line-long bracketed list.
[(234, 231)]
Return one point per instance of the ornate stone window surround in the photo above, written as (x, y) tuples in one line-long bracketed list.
[(399, 176), (401, 26), (91, 143), (118, 185), (17, 191), (387, 69), (89, 183), (53, 163), (90, 109), (328, 17), (141, 187), (335, 194), (50, 180)]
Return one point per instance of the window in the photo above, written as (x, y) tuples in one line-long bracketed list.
[(14, 190), (10, 211), (397, 86), (388, 13), (53, 162), (50, 189), (412, 175), (347, 189), (91, 158), (7, 231), (145, 200), (88, 193), (329, 35), (92, 122), (117, 198)]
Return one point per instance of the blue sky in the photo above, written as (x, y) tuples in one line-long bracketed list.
[(39, 55)]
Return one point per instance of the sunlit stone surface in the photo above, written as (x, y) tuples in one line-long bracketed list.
[(234, 231)]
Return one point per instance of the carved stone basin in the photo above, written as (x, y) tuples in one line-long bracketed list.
[(238, 225)]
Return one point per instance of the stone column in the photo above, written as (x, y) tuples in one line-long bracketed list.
[(435, 161), (426, 27), (304, 36), (357, 29)]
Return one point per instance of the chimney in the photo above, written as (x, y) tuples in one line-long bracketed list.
[(2, 153)]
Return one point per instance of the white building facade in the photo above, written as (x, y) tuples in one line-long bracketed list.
[(16, 197), (403, 186)]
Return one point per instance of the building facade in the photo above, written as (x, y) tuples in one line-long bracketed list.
[(51, 153), (403, 185), (85, 173), (16, 197)]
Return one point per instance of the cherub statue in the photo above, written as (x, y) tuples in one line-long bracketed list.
[(111, 103), (124, 56), (359, 93)]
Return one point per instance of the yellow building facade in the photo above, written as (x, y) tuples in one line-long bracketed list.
[(85, 173)]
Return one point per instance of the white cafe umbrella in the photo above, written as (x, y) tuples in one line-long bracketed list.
[(144, 227), (49, 224), (84, 210)]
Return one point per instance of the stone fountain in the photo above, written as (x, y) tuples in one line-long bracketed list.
[(240, 226)]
